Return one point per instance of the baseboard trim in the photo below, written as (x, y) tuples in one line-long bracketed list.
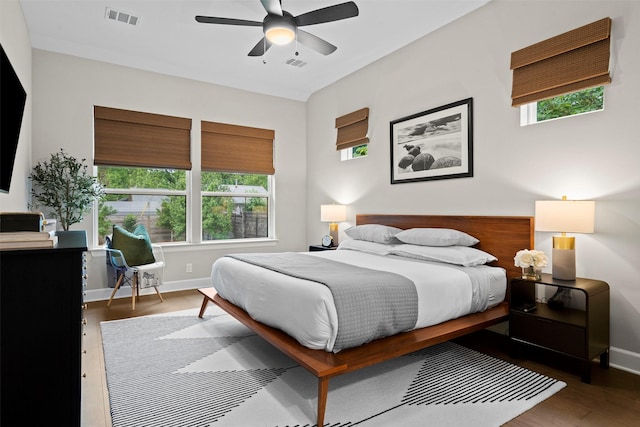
[(625, 360), (103, 294)]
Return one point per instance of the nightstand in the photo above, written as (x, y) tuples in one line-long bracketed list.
[(579, 330), (316, 248)]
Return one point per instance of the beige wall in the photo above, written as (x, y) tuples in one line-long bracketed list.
[(590, 157), (68, 87), (15, 41)]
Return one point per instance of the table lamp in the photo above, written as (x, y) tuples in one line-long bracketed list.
[(565, 216), (333, 214)]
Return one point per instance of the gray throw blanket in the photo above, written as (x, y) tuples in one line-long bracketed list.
[(370, 303)]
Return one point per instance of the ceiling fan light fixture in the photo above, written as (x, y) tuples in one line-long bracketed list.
[(281, 28), (280, 33)]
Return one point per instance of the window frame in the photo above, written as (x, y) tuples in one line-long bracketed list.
[(191, 238), (147, 191), (269, 195), (529, 112), (110, 123), (347, 153)]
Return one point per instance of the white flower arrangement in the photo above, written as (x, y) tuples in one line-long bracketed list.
[(530, 258)]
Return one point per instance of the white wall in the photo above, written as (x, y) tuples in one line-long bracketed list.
[(14, 37), (66, 89), (590, 157)]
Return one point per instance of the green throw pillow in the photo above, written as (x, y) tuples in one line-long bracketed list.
[(136, 246)]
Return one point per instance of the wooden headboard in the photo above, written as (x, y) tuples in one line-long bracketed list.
[(501, 236)]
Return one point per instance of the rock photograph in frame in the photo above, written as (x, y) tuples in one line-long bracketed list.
[(433, 144)]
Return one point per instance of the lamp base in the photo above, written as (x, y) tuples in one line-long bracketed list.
[(333, 232), (563, 264)]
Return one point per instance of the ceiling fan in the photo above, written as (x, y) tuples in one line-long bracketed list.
[(280, 27)]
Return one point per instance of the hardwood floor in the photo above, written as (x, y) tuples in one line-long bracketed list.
[(613, 398)]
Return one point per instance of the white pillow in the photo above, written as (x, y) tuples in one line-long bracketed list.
[(436, 237), (373, 233), (459, 255), (365, 246)]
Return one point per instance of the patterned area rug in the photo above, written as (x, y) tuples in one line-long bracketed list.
[(178, 370)]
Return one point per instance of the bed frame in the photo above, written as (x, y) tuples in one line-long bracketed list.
[(501, 236)]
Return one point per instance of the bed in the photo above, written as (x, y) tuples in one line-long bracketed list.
[(499, 236)]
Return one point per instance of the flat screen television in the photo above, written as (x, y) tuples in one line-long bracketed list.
[(13, 98)]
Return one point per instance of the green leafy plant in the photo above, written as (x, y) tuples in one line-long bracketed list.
[(583, 101), (63, 185), (130, 222)]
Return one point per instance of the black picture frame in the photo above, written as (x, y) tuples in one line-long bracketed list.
[(433, 144)]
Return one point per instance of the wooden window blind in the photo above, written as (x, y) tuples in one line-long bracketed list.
[(239, 149), (575, 60), (352, 129), (135, 139)]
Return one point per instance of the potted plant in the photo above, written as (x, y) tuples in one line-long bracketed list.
[(63, 185)]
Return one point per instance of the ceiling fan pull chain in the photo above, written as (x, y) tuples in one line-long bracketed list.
[(264, 46)]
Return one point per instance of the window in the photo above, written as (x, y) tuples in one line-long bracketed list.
[(580, 102), (235, 206), (352, 138), (143, 161), (156, 198), (354, 152), (237, 181), (562, 75)]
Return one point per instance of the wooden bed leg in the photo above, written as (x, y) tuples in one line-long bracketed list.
[(204, 306), (323, 390)]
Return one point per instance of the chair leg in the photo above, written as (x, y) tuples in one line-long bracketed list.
[(159, 294), (134, 290), (115, 289)]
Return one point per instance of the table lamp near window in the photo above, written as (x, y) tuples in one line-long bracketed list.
[(565, 216), (333, 214)]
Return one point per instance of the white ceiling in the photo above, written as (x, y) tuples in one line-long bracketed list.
[(168, 40)]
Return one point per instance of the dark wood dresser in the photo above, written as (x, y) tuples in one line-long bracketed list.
[(41, 312)]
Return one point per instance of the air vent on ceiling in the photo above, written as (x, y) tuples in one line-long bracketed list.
[(295, 62), (126, 18)]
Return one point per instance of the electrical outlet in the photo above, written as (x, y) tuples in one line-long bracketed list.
[(189, 268)]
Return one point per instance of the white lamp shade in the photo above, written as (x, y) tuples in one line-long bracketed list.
[(333, 213), (566, 216)]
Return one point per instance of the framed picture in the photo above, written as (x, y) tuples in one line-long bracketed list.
[(434, 144)]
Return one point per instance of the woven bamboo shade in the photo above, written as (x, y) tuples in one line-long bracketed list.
[(135, 139), (239, 149), (352, 129), (569, 62)]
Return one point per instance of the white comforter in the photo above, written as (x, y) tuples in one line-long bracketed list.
[(306, 311)]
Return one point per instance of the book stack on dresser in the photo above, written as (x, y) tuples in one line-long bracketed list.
[(25, 230), (27, 240)]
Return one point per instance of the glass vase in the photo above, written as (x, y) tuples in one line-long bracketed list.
[(531, 273)]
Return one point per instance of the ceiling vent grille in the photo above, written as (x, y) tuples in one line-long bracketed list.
[(295, 62), (126, 18)]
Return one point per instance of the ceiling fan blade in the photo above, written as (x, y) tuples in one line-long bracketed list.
[(315, 43), (227, 21), (260, 48), (328, 14), (273, 7)]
